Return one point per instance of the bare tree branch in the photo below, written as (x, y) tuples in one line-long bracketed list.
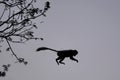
[(17, 23)]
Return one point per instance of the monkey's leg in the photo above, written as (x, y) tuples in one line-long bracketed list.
[(57, 60), (74, 59), (61, 61)]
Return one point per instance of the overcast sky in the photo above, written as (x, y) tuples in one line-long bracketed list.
[(90, 26)]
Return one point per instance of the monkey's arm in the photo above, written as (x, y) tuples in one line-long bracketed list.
[(72, 58)]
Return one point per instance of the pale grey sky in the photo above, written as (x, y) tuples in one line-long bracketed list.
[(90, 26)]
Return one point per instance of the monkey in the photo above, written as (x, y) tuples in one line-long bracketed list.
[(62, 54)]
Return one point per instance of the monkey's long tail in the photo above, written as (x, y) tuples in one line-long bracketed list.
[(45, 48)]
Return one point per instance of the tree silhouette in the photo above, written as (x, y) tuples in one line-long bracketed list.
[(16, 24)]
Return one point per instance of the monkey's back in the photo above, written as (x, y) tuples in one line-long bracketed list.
[(65, 53)]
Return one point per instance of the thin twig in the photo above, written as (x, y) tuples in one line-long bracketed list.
[(2, 2), (2, 14), (12, 50)]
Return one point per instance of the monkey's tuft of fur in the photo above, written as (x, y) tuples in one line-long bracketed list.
[(45, 48), (42, 48)]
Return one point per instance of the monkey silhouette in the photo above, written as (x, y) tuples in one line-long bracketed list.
[(62, 54)]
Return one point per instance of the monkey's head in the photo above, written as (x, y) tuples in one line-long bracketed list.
[(75, 52)]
